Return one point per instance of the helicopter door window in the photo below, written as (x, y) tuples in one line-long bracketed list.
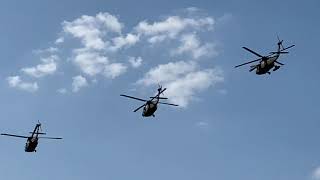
[(27, 144)]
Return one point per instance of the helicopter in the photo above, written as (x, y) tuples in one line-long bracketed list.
[(266, 63), (150, 106), (32, 141)]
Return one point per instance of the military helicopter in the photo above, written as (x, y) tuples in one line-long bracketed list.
[(266, 63), (32, 141), (150, 106)]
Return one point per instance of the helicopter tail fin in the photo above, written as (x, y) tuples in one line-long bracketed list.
[(281, 48)]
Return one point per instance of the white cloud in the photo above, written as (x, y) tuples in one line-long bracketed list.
[(62, 91), (102, 41), (192, 9), (78, 83), (182, 80), (92, 59), (183, 90), (114, 70), (110, 22), (90, 62), (316, 174), (48, 67), (92, 29), (59, 40), (93, 63), (157, 38), (49, 50), (119, 42), (167, 72), (191, 44), (202, 124), (16, 82), (135, 62), (172, 26)]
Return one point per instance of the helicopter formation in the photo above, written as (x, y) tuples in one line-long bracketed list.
[(266, 63)]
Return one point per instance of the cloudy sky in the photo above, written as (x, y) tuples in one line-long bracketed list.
[(65, 64)]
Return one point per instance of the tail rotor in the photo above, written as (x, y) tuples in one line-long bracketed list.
[(280, 43), (281, 49), (160, 90), (39, 125)]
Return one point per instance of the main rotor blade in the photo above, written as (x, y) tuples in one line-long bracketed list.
[(133, 97), (252, 51), (279, 63), (12, 135), (139, 108), (38, 133), (288, 47), (49, 137), (280, 52), (248, 62), (168, 104), (160, 97)]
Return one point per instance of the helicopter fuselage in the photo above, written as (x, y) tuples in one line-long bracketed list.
[(31, 144), (266, 65), (150, 109)]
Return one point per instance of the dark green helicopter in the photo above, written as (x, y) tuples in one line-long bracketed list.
[(32, 141), (266, 63), (150, 106)]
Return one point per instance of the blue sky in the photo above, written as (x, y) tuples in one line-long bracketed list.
[(67, 70)]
